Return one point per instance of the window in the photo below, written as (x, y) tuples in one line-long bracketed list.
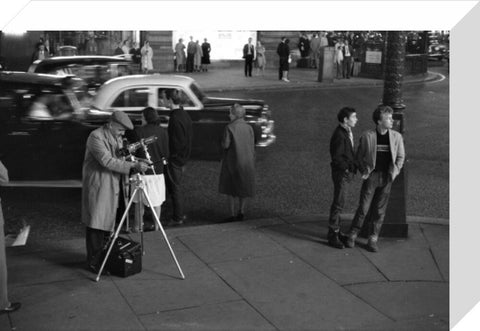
[(137, 97), (163, 101)]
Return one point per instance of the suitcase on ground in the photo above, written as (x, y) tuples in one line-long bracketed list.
[(125, 259)]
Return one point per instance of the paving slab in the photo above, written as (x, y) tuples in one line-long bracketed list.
[(344, 266), (236, 315), (405, 259), (232, 245), (294, 296), (151, 292), (72, 305), (438, 239), (406, 300), (424, 324)]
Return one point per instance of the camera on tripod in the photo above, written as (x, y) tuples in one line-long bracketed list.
[(129, 149)]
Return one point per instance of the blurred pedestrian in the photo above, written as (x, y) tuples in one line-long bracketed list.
[(5, 305), (191, 50), (147, 55), (101, 188), (304, 45), (197, 60), (347, 59), (136, 55), (126, 46), (91, 46), (261, 60), (180, 55), (180, 133), (283, 51), (380, 157), (249, 56), (118, 50), (40, 53), (339, 58), (343, 169), (315, 51), (237, 175), (154, 177), (206, 48)]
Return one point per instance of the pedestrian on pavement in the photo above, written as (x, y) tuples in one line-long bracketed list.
[(118, 50), (180, 55), (5, 305), (136, 55), (249, 56), (343, 169), (347, 59), (283, 51), (191, 50), (206, 48), (40, 54), (380, 157), (261, 59), (339, 58), (180, 133), (153, 177), (147, 55), (197, 60), (101, 188), (315, 49), (237, 175)]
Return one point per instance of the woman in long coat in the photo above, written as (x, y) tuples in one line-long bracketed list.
[(180, 55), (237, 175), (147, 55), (206, 48), (197, 60)]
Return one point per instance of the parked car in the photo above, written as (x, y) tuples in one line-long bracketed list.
[(437, 50), (49, 149), (95, 70)]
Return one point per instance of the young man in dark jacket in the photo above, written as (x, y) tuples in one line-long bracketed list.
[(180, 144), (343, 168)]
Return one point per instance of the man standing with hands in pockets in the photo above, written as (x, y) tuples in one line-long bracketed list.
[(380, 157), (343, 168)]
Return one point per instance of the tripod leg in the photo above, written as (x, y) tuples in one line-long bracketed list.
[(115, 236), (163, 233)]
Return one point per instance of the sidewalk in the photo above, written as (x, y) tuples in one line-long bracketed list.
[(270, 274), (266, 274), (233, 78)]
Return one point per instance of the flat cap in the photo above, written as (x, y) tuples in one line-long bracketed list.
[(121, 118)]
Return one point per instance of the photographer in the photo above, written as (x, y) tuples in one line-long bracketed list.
[(102, 171)]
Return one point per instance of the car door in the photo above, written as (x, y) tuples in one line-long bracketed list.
[(132, 100)]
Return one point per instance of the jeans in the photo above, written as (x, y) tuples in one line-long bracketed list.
[(340, 186), (174, 181), (374, 195)]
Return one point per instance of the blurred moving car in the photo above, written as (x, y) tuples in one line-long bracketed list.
[(44, 120), (437, 50), (39, 136), (94, 69)]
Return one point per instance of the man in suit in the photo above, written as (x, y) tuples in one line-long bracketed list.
[(380, 157), (283, 51), (249, 56), (343, 168), (347, 59), (40, 54), (191, 49)]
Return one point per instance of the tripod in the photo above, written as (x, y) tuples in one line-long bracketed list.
[(139, 185)]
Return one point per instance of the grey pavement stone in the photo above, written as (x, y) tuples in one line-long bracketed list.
[(406, 300), (438, 239), (72, 305), (149, 293), (236, 315), (232, 245), (405, 259), (294, 296), (346, 266), (424, 324)]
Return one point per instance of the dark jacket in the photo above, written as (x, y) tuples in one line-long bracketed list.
[(158, 149), (341, 151), (283, 50), (179, 137), (245, 51)]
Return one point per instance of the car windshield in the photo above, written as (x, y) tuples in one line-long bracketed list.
[(197, 91)]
